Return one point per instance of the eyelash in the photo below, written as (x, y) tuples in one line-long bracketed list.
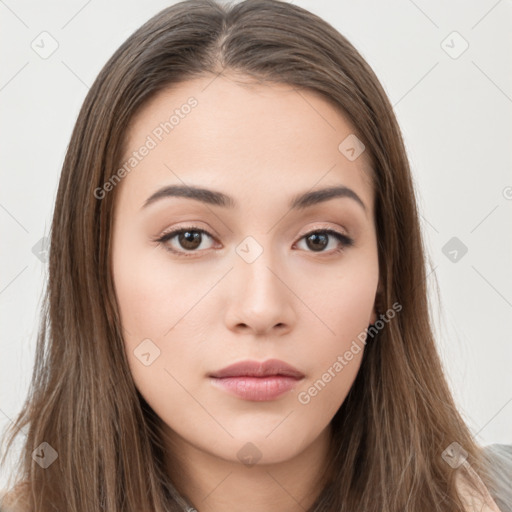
[(344, 240)]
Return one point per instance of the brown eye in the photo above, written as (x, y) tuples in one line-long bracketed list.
[(185, 241), (189, 240), (318, 240)]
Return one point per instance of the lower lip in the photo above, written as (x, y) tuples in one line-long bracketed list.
[(256, 388)]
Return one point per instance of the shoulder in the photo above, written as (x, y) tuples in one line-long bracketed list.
[(499, 461), (474, 494)]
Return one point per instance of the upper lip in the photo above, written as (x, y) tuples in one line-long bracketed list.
[(258, 369)]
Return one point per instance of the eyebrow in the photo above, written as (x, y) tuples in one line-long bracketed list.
[(213, 197)]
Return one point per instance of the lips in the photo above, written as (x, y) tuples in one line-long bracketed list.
[(256, 381), (270, 367)]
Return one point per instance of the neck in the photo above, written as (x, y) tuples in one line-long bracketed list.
[(213, 484)]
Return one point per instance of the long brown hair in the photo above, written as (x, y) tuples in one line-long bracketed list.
[(399, 417)]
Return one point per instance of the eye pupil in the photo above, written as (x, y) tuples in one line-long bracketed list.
[(190, 239), (316, 238)]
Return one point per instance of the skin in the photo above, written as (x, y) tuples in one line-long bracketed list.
[(262, 145)]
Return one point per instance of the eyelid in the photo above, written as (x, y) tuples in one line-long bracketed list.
[(190, 226), (324, 227)]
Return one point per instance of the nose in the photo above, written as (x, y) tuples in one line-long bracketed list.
[(260, 299)]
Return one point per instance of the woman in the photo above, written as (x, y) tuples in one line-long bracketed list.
[(237, 313)]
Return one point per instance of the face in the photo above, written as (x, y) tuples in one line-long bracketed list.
[(256, 274)]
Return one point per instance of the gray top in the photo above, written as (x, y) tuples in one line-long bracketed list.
[(500, 466)]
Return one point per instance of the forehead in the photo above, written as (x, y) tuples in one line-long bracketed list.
[(242, 136)]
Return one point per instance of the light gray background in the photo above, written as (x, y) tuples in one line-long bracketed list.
[(455, 114)]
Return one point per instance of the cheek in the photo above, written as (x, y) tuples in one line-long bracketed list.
[(341, 300), (343, 305), (324, 393), (163, 321), (336, 355), (153, 295)]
